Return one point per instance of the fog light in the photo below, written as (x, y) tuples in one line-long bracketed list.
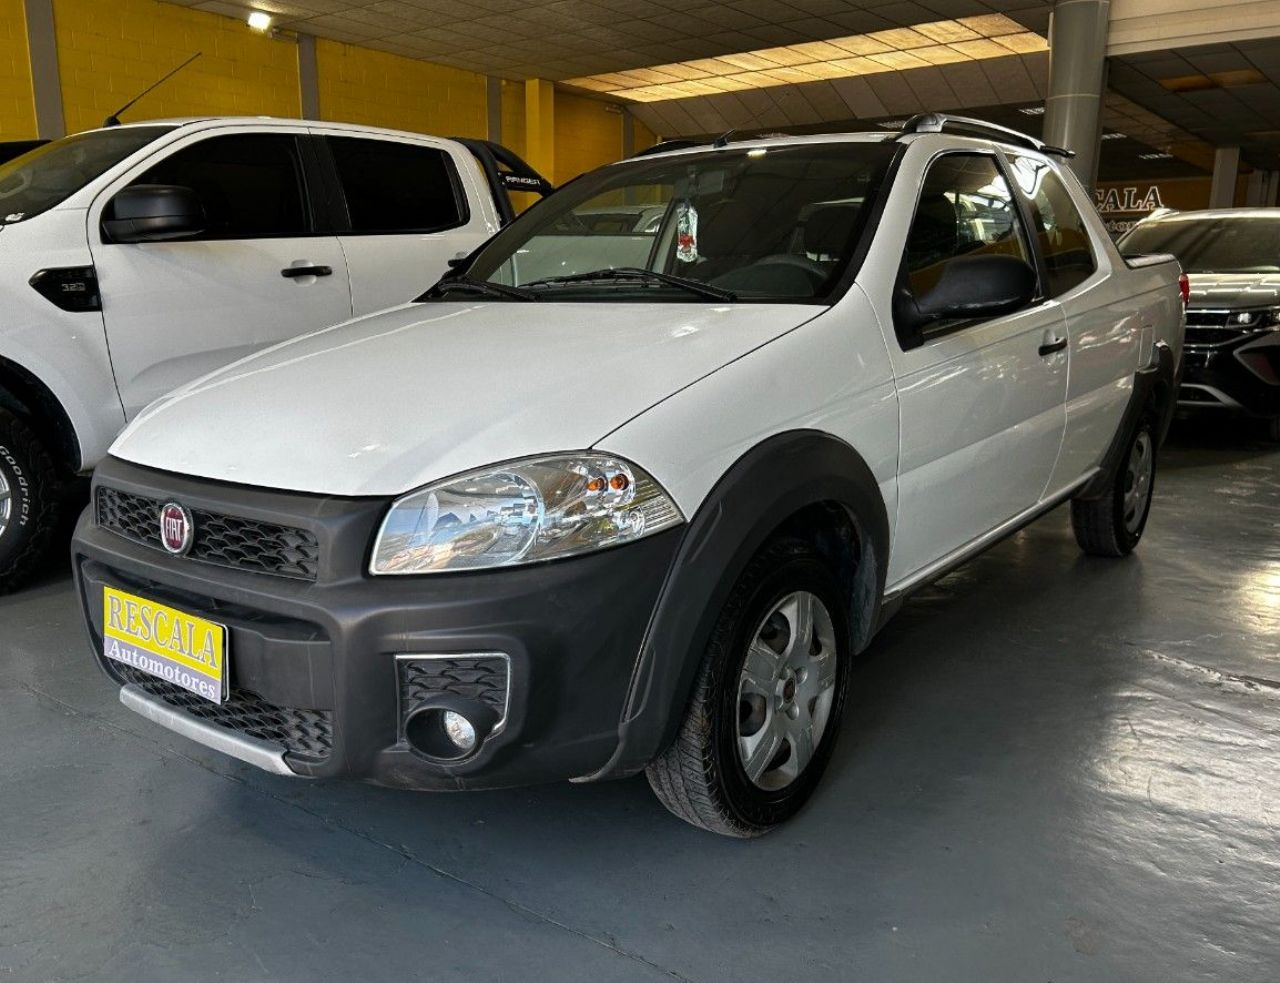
[(460, 730)]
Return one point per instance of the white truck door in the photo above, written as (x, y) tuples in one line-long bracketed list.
[(1106, 327), (412, 205), (258, 274), (980, 403)]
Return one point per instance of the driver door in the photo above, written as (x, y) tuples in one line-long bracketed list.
[(982, 403), (177, 310)]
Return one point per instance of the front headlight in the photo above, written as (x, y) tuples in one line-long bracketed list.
[(540, 509)]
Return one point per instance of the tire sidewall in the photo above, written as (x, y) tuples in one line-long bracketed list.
[(1128, 540), (24, 509), (752, 805)]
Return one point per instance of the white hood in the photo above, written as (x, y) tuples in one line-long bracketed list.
[(391, 402)]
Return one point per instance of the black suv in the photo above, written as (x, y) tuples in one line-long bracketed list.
[(1232, 353)]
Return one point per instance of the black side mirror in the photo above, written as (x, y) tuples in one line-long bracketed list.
[(153, 213), (970, 288)]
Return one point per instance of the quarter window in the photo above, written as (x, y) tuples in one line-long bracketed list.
[(397, 187), (250, 184), (966, 208), (1059, 226)]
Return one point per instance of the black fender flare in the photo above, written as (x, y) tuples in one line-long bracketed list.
[(1155, 393), (771, 483)]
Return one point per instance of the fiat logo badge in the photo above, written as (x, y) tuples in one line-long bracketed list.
[(176, 528)]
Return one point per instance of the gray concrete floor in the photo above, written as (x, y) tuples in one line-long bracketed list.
[(1053, 768)]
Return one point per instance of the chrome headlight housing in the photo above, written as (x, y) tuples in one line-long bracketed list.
[(526, 511)]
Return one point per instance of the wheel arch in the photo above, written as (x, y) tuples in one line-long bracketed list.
[(26, 396), (803, 483)]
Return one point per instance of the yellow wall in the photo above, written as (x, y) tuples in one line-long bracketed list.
[(360, 85), (587, 135), (109, 52), (17, 108), (644, 137)]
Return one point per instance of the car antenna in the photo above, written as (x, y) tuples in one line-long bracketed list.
[(114, 118)]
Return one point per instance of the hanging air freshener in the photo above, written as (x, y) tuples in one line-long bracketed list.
[(686, 232)]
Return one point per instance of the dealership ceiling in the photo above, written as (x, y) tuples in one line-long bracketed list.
[(698, 67)]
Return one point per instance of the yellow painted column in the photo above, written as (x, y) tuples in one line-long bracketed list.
[(540, 126)]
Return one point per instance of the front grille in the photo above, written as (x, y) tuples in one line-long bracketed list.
[(481, 678), (302, 732), (1213, 337), (228, 541), (1207, 319)]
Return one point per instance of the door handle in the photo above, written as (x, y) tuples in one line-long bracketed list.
[(1052, 347), (293, 272)]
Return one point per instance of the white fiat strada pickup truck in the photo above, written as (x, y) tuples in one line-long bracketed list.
[(575, 519), (136, 258)]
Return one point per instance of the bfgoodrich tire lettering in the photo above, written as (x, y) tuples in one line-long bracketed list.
[(1112, 523), (29, 502), (702, 777)]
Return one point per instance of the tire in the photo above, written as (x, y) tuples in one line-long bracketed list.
[(30, 502), (1112, 524), (703, 778)]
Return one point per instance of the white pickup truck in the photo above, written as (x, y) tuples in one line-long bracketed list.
[(136, 258), (563, 519)]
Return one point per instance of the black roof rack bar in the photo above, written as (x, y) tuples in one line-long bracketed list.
[(964, 125)]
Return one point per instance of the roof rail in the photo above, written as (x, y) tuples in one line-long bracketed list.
[(964, 125)]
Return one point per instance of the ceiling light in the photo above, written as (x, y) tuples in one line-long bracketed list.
[(1032, 110), (892, 124), (260, 21), (1155, 156), (935, 43), (1112, 136)]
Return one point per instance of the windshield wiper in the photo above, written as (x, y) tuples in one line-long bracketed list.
[(633, 274), (466, 284)]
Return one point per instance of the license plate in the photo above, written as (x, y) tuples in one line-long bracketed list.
[(169, 644)]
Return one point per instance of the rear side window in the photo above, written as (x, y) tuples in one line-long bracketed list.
[(1059, 227), (397, 187), (250, 184)]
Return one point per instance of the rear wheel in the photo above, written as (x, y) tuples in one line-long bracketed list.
[(29, 501), (766, 706), (1112, 524)]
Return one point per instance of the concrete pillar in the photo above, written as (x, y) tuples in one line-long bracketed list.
[(1226, 167), (308, 77), (1077, 81), (1263, 190), (46, 84), (540, 126)]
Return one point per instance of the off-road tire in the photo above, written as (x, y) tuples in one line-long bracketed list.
[(1100, 523), (34, 503), (700, 777)]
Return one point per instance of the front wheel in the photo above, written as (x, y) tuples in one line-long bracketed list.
[(29, 501), (1112, 523), (766, 706)]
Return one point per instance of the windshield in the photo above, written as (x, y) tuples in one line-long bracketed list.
[(1217, 245), (752, 224), (48, 175)]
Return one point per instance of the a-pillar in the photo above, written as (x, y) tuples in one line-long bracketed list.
[(1077, 81)]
